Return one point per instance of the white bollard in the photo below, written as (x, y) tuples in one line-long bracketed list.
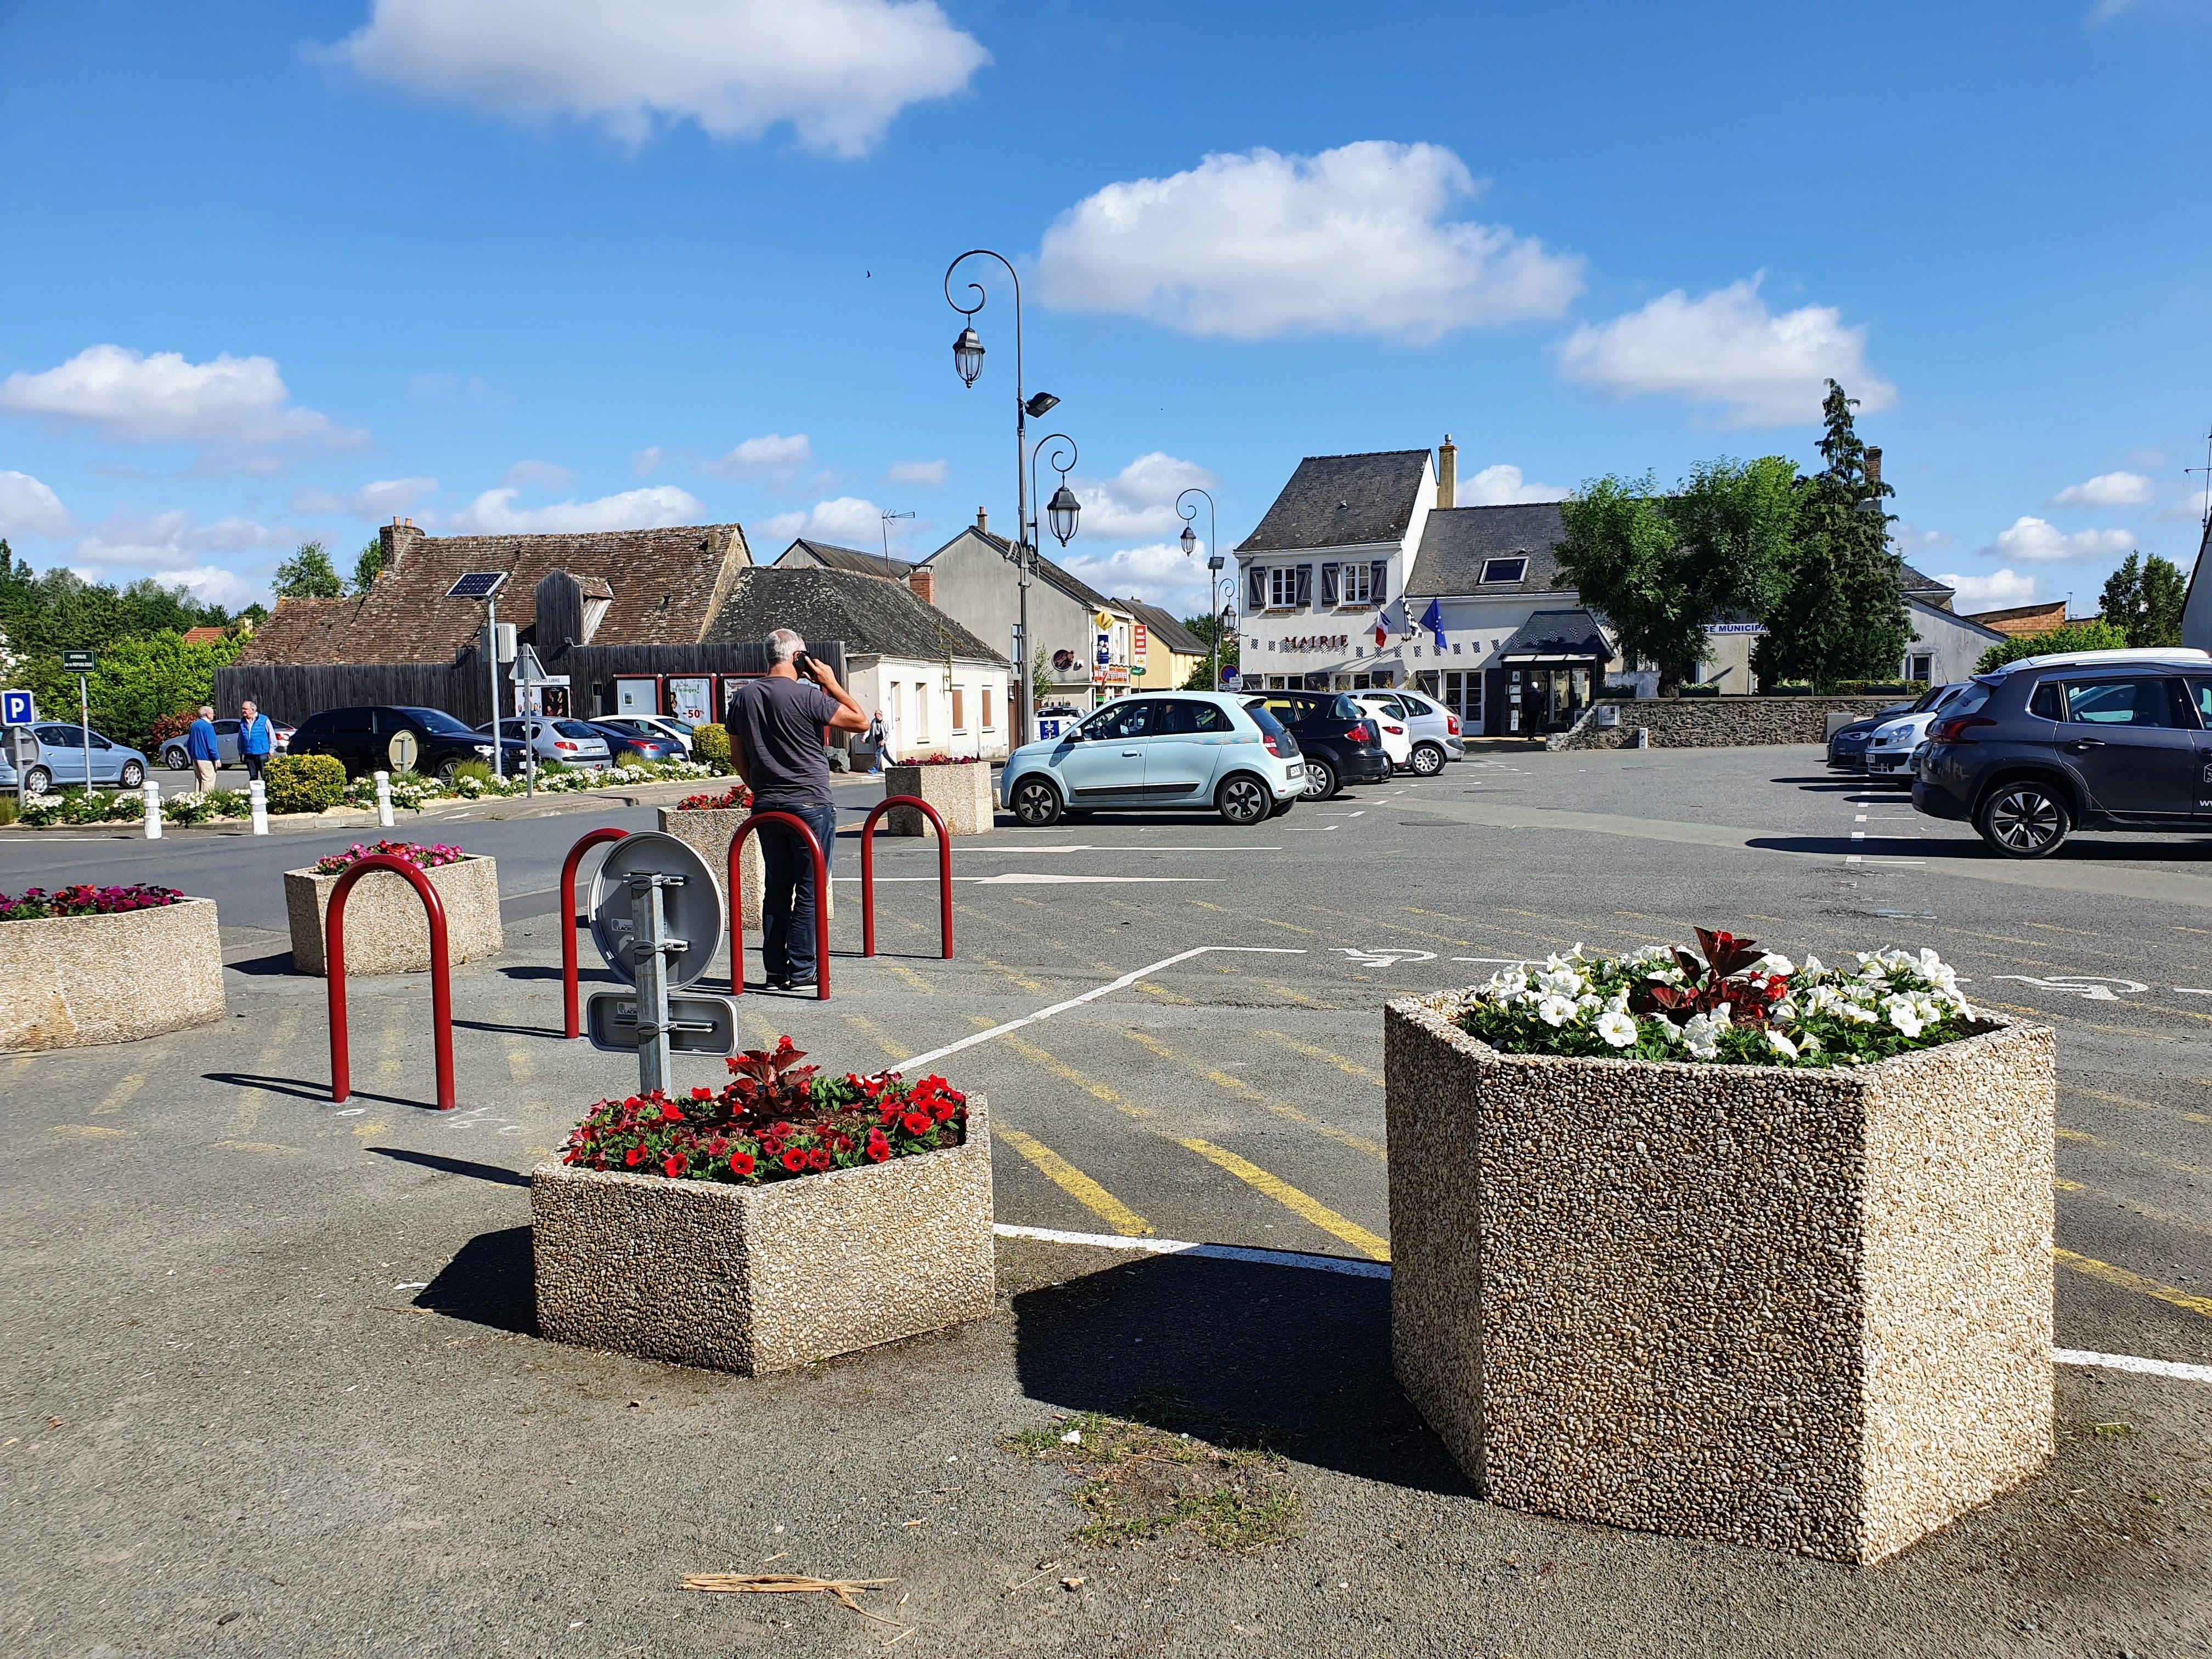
[(384, 799), (153, 810), (259, 796)]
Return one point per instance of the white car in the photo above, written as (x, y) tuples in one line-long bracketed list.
[(1890, 751), (1434, 731), (1391, 723), (570, 742)]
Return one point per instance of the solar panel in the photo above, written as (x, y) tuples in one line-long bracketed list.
[(478, 585)]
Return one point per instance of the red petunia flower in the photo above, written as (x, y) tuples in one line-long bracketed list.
[(671, 1113), (793, 1161), (673, 1166), (741, 1163), (631, 1157), (820, 1159), (702, 1094), (917, 1123), (878, 1148)]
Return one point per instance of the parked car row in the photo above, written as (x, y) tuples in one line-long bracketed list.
[(176, 753)]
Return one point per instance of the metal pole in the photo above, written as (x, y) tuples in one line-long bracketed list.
[(648, 957), (491, 654), (84, 725), (1024, 723)]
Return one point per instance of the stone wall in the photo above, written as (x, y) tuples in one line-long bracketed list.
[(1716, 722)]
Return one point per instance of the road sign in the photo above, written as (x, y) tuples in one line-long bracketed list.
[(79, 662), (696, 1025), (1104, 619), (17, 708), (1138, 673), (694, 910), (402, 750)]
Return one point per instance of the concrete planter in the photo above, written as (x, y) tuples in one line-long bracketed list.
[(1807, 1310), (708, 833), (386, 931), (961, 794), (754, 1279), (71, 981)]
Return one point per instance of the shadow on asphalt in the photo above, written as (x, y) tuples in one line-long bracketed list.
[(1237, 1353), (1876, 848), (460, 1166), (280, 963), (492, 1280), (306, 1088), (518, 1030)]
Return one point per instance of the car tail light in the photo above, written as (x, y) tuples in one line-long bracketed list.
[(1396, 730), (1273, 748), (563, 743), (1359, 733), (1954, 729), (1451, 725)]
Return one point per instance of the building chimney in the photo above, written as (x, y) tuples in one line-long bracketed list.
[(396, 538), (923, 581), (1448, 473), (1873, 471), (982, 522)]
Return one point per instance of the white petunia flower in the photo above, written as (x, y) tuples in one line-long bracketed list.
[(1905, 1014), (1617, 1027), (1814, 968), (1807, 1043), (1773, 964), (1781, 1044), (1555, 1010)]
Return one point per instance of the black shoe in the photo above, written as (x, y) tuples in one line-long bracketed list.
[(794, 981)]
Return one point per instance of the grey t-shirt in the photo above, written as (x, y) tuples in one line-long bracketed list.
[(780, 722)]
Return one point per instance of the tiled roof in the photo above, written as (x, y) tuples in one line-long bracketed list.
[(1162, 626), (872, 617), (1342, 501), (832, 556), (203, 636), (2019, 621), (662, 583), (1457, 541)]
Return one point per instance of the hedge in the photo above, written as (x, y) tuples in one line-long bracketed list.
[(304, 783)]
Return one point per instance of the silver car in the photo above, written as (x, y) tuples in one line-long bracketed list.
[(1435, 733), (572, 743)]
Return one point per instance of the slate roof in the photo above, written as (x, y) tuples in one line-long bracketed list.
[(1559, 634), (873, 616), (833, 557), (1457, 540), (1936, 593), (663, 586), (1342, 501), (1073, 586), (1162, 626)]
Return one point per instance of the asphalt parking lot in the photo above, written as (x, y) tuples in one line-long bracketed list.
[(272, 1386)]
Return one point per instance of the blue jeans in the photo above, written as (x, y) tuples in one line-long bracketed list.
[(787, 901)]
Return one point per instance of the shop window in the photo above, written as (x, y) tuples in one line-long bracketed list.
[(989, 724), (959, 710)]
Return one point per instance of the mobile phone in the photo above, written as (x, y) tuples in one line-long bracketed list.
[(804, 662)]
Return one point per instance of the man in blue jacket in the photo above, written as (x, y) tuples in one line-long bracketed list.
[(255, 738), (200, 745)]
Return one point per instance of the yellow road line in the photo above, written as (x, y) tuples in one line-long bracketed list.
[(1162, 993), (1075, 1184), (1021, 979), (1290, 926), (2149, 1211), (93, 1131), (914, 979), (251, 1099), (518, 1064), (862, 1023), (760, 1027), (1067, 1073), (2087, 1139), (2147, 1105), (2086, 1024), (121, 1092), (1336, 1059), (1291, 1198), (1237, 1087), (2199, 1305), (1298, 997), (265, 1147), (16, 1067)]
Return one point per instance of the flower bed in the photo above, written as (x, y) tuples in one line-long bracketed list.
[(787, 1218), (959, 790), (429, 858), (90, 965), (1693, 1284), (943, 760), (386, 931), (736, 798)]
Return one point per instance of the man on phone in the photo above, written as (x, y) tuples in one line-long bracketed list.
[(777, 723)]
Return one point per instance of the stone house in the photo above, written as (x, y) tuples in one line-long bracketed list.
[(1162, 653)]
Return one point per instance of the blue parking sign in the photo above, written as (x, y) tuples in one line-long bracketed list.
[(17, 708)]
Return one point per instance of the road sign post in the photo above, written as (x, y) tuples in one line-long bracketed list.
[(657, 919), (83, 665), (485, 584), (18, 709)]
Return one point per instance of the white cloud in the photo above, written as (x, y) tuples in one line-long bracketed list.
[(494, 512), (2105, 489), (381, 499), (546, 475), (1994, 592), (170, 541), (1255, 245), (1158, 573), (29, 508), (929, 475), (1503, 486), (1138, 499), (646, 461), (2040, 540), (1909, 539), (131, 398), (1727, 347), (2188, 508), (836, 71), (214, 585), (845, 521), (771, 457)]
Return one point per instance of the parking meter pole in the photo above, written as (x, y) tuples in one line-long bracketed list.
[(650, 948), (384, 799), (259, 797), (153, 810), (84, 725)]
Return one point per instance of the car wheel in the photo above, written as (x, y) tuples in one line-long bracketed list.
[(448, 771), (37, 782), (132, 776), (1321, 778), (2025, 820), (1036, 803), (1243, 800), (1428, 759), (176, 760)]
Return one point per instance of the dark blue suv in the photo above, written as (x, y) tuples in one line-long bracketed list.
[(2096, 740)]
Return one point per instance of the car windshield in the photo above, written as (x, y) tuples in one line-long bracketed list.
[(573, 729), (1266, 721), (1928, 699), (438, 720)]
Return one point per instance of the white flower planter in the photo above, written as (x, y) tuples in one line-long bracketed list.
[(386, 930), (961, 794)]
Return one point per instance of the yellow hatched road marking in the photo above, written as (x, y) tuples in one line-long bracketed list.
[(1298, 997), (518, 1064), (2057, 1018), (93, 1131), (265, 1147), (2200, 1305), (1336, 1059), (2147, 1105), (1096, 1091), (1291, 1198), (2088, 1140), (121, 1092), (914, 979), (1237, 1087), (251, 1099), (1021, 979), (1291, 927), (1075, 1184), (862, 1023), (2150, 1211)]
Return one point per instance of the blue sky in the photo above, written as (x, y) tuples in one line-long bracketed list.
[(283, 271)]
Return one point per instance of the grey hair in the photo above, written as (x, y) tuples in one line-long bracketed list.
[(208, 709), (783, 644)]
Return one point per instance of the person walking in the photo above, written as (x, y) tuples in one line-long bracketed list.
[(777, 726), (202, 749), (255, 738), (876, 738)]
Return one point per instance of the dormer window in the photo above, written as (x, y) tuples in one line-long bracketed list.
[(1505, 570)]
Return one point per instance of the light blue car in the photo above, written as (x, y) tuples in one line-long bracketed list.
[(1162, 748), (55, 758)]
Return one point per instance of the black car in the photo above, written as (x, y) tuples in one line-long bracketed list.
[(1335, 735), (381, 739), (1847, 744), (2094, 740)]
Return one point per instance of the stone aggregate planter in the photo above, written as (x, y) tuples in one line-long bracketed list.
[(72, 981), (1804, 1310), (708, 834), (754, 1279), (961, 794), (386, 931)]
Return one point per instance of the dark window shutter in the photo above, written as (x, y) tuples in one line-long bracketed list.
[(1255, 588), (1328, 585), (1306, 586), (1381, 577)]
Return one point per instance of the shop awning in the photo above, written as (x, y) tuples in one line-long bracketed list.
[(1559, 639)]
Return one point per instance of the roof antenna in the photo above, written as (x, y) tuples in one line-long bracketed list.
[(887, 519), (2204, 518)]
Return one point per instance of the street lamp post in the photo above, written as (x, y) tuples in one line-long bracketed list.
[(1214, 562), (968, 359)]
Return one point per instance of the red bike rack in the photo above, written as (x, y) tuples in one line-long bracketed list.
[(868, 871), (441, 990), (572, 1022), (737, 903)]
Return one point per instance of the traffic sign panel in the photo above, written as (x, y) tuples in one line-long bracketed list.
[(79, 662), (17, 708)]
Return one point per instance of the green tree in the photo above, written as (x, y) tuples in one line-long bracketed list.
[(368, 566), (140, 678), (1209, 629), (2094, 635), (307, 574), (2143, 598), (1659, 569)]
